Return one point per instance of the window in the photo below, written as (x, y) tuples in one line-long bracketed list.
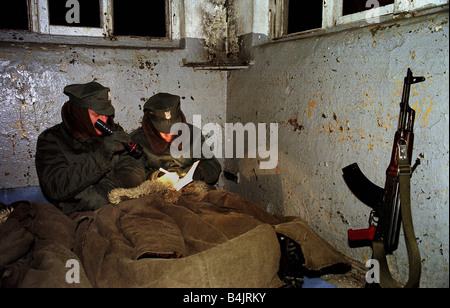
[(368, 10), (80, 13), (356, 6), (14, 15), (139, 18), (293, 16), (118, 23), (304, 15), (103, 17)]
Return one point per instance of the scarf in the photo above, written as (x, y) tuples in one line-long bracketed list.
[(79, 124), (154, 138)]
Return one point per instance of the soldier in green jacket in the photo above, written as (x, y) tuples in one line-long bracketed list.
[(77, 166), (161, 112)]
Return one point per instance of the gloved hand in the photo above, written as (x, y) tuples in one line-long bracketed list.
[(179, 170), (170, 177), (91, 200), (114, 143), (199, 174)]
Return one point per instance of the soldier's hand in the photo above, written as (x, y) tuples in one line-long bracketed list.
[(90, 200), (170, 177), (114, 143)]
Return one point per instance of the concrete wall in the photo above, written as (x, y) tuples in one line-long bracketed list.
[(334, 96), (33, 76), (336, 99)]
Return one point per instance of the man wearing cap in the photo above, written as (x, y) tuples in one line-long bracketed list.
[(77, 166), (161, 112)]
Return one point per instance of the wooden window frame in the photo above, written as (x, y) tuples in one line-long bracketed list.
[(41, 32), (332, 14)]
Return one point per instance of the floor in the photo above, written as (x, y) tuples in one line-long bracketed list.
[(355, 278)]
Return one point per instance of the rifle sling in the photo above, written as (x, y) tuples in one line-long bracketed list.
[(386, 280)]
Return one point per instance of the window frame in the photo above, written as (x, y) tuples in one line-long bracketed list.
[(371, 16), (41, 24), (40, 31), (332, 15)]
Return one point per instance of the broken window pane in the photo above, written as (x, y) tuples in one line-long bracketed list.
[(356, 6), (14, 15), (304, 15), (74, 13), (140, 18)]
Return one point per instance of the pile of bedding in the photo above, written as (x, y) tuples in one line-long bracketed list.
[(212, 239)]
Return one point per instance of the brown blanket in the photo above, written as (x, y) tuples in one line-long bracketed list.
[(35, 244), (212, 239)]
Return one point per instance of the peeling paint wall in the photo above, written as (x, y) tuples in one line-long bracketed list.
[(336, 99), (215, 22), (32, 79)]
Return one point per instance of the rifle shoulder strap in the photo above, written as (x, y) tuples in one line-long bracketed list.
[(386, 280)]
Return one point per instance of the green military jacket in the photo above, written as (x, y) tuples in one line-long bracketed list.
[(78, 176), (208, 170)]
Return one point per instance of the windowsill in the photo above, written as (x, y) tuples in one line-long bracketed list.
[(225, 66), (357, 24), (30, 38)]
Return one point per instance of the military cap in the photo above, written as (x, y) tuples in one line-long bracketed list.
[(164, 111), (91, 95)]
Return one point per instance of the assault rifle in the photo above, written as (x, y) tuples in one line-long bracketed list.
[(391, 205)]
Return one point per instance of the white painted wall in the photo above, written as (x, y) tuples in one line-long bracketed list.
[(336, 99), (33, 76), (334, 96)]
